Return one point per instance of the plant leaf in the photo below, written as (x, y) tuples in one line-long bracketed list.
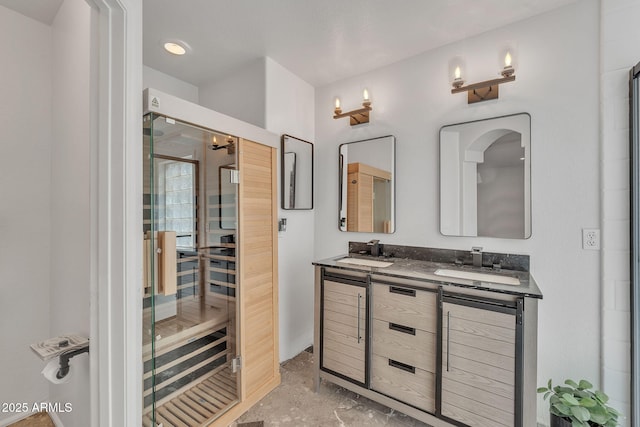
[(601, 396), (541, 389), (546, 395), (581, 393), (599, 419), (570, 399), (549, 384), (580, 413), (563, 410), (572, 383), (584, 384), (588, 402)]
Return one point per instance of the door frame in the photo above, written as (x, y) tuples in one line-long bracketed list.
[(634, 167), (116, 213)]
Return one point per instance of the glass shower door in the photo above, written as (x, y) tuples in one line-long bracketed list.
[(189, 304)]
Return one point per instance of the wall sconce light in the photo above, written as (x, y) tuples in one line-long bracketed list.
[(484, 91), (357, 117)]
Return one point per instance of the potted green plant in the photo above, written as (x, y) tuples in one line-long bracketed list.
[(577, 405)]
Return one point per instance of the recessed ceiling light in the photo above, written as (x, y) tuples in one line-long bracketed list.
[(175, 48)]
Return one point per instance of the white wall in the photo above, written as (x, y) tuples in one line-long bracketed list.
[(25, 120), (290, 110), (412, 100), (169, 84), (619, 52), (240, 95), (69, 198)]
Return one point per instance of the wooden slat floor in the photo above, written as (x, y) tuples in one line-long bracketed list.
[(200, 404)]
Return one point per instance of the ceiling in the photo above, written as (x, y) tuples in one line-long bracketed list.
[(40, 10), (321, 41)]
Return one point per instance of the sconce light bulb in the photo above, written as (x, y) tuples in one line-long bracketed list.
[(365, 95), (507, 60), (337, 103), (215, 141), (456, 73)]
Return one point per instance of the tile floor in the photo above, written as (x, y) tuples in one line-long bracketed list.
[(294, 403)]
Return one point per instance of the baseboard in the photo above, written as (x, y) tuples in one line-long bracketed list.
[(13, 419), (56, 419)]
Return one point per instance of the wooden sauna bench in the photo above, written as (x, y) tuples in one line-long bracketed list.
[(193, 317)]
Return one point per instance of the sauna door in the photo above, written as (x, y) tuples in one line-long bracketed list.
[(189, 293)]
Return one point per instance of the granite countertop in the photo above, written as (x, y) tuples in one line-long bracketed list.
[(425, 270)]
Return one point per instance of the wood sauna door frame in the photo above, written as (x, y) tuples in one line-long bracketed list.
[(514, 308), (258, 271)]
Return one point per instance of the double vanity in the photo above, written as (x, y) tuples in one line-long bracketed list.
[(427, 333)]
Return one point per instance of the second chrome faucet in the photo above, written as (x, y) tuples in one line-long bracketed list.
[(374, 247)]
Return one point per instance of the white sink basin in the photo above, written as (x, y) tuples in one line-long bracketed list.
[(482, 277), (364, 262)]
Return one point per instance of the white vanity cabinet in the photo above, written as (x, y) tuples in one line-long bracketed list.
[(446, 355), (403, 350)]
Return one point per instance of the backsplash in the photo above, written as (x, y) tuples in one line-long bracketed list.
[(506, 261)]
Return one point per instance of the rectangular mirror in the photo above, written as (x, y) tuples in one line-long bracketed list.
[(297, 173), (485, 178), (367, 186)]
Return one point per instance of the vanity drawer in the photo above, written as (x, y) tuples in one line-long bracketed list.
[(405, 306), (412, 347), (406, 383)]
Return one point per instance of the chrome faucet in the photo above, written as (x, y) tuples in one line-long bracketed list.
[(476, 255), (374, 249)]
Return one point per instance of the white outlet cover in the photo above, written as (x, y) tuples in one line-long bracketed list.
[(591, 239)]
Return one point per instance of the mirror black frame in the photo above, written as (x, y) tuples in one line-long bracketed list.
[(283, 138), (527, 171), (342, 202)]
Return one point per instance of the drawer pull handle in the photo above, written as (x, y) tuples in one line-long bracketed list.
[(359, 303), (448, 340), (402, 291), (402, 366), (401, 328)]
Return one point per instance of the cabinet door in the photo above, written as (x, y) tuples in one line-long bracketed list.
[(344, 329), (478, 366)]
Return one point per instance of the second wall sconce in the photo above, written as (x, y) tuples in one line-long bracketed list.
[(483, 91), (356, 117)]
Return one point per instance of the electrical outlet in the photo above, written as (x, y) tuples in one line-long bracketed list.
[(591, 239)]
